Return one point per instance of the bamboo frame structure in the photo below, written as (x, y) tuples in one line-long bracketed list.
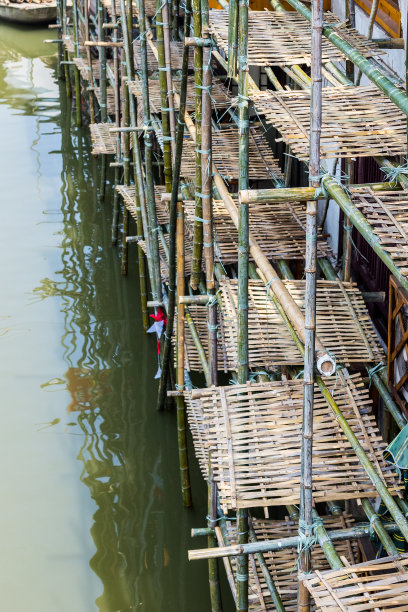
[(239, 431)]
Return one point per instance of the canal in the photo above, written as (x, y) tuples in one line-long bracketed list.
[(91, 514)]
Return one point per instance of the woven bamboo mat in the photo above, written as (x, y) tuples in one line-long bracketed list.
[(284, 38), (176, 49), (221, 97), (262, 163), (254, 434), (85, 70), (150, 7), (278, 228), (103, 141), (356, 121), (68, 42), (282, 565), (110, 99), (387, 213), (199, 314), (128, 193), (378, 585), (343, 324)]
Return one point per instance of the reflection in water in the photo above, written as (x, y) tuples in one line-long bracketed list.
[(127, 452)]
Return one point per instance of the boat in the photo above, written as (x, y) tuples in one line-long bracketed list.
[(28, 13)]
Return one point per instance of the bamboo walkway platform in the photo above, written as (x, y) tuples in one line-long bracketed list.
[(343, 324), (262, 163), (284, 39), (387, 213), (279, 230), (110, 99), (103, 141), (282, 565), (356, 121), (381, 584), (254, 434)]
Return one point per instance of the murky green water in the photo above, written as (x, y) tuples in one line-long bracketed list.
[(91, 516)]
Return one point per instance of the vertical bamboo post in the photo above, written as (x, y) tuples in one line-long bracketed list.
[(175, 20), (76, 71), (181, 410), (116, 73), (164, 99), (306, 500), (126, 168), (347, 229), (169, 79), (68, 88), (148, 142), (215, 591), (243, 260), (206, 190), (198, 83), (91, 100), (232, 37), (173, 216), (103, 90)]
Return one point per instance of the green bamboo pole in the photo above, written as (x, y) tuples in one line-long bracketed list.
[(169, 78), (173, 217), (232, 38), (198, 83), (115, 51), (181, 409), (164, 99), (379, 528), (102, 64), (91, 87), (335, 535), (126, 180), (76, 71), (68, 87), (395, 94), (199, 347), (215, 591), (303, 194)]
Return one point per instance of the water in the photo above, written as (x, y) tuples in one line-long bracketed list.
[(91, 513)]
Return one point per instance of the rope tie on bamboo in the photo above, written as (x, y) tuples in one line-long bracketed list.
[(306, 542), (212, 327), (392, 174), (374, 370), (159, 9), (372, 534), (212, 299), (254, 375), (201, 220)]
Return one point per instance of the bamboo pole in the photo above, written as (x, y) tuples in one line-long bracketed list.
[(306, 497), (198, 83), (199, 347), (116, 73), (126, 180), (274, 593), (67, 79), (206, 190), (243, 260), (181, 409), (213, 575), (335, 535), (173, 213), (164, 98), (232, 37), (169, 79), (76, 71), (91, 100)]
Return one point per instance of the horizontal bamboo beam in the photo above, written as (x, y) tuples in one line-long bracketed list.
[(102, 43), (389, 43), (336, 535), (379, 79), (302, 194)]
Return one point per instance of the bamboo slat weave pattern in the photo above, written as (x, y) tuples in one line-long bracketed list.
[(343, 324), (150, 7), (220, 95), (380, 585), (103, 141), (387, 213), (282, 565), (356, 121), (128, 193), (110, 99), (283, 38), (176, 49), (68, 42), (254, 434), (262, 163), (199, 314), (279, 230), (85, 69)]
